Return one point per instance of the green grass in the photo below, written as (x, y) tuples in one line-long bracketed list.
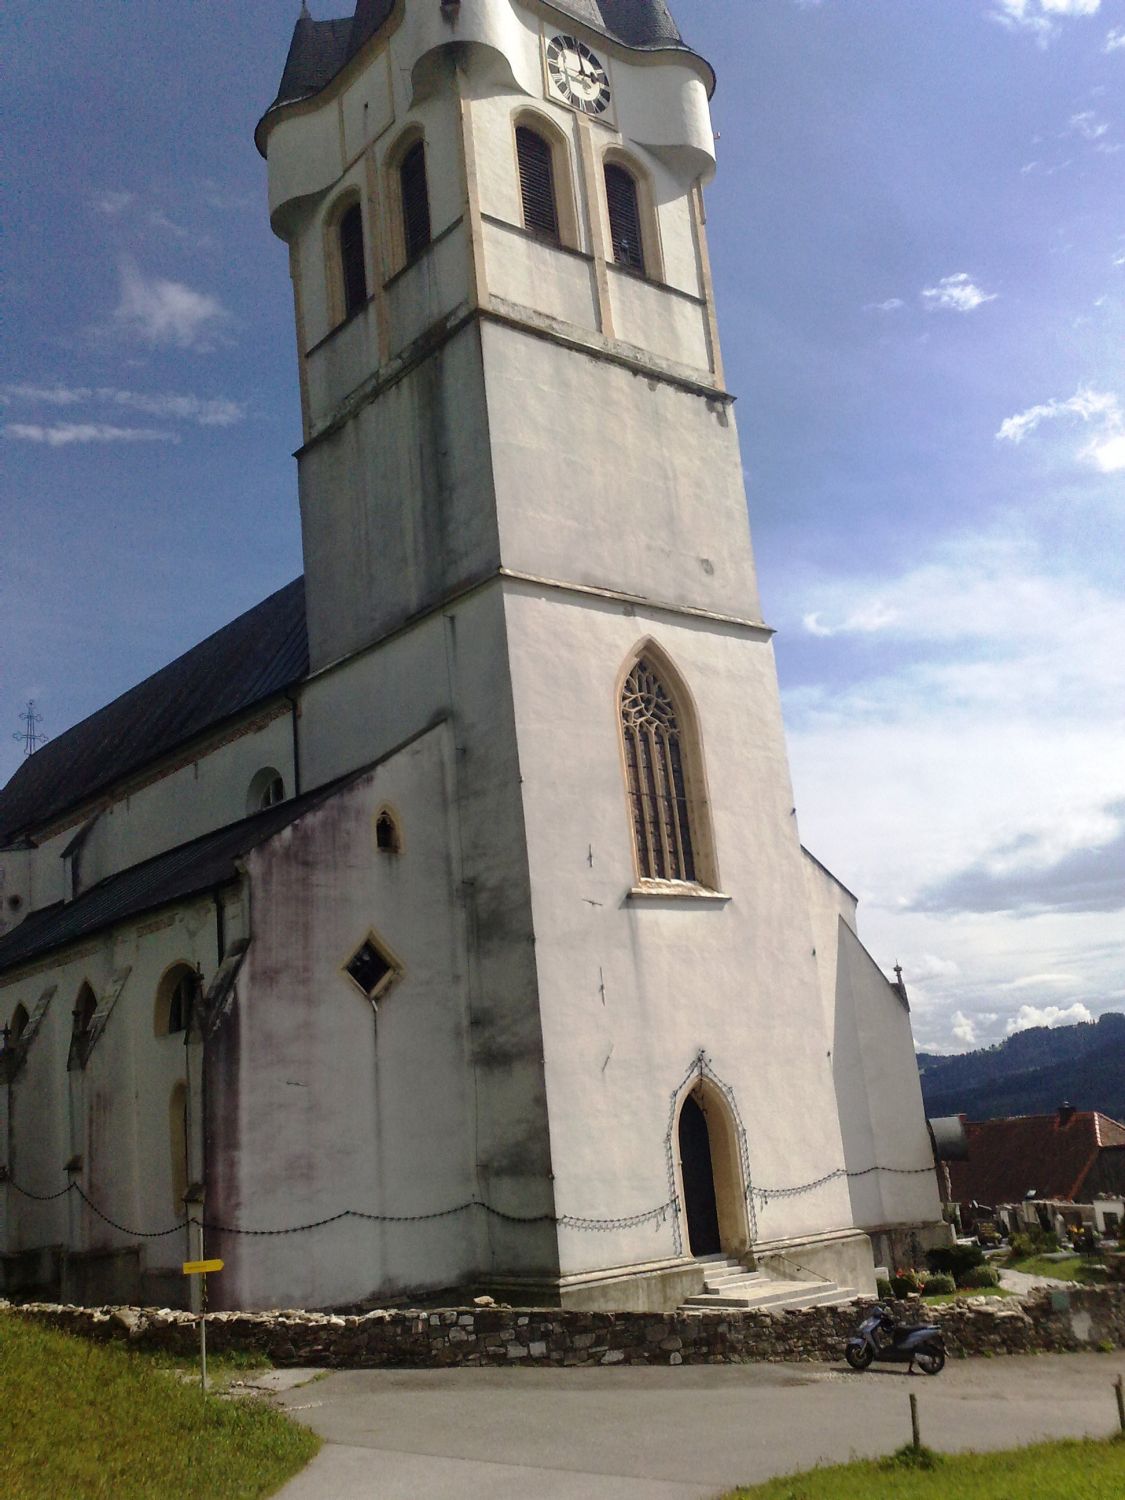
[(1075, 1269), (94, 1420), (1073, 1470)]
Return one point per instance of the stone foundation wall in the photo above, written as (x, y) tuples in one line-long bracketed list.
[(1085, 1318)]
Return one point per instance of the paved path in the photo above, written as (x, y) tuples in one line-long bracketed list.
[(1021, 1283), (646, 1433)]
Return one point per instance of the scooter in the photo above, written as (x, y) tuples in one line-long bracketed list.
[(880, 1337)]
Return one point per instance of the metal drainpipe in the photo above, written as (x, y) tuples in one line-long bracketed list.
[(294, 711)]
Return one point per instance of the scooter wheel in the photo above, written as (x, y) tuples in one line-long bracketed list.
[(858, 1358), (930, 1361)]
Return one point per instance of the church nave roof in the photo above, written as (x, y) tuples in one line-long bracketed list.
[(256, 656)]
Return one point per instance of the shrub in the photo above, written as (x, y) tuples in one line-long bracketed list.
[(954, 1260), (979, 1276), (1033, 1241), (883, 1288), (939, 1282)]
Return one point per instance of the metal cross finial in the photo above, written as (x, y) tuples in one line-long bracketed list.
[(30, 736)]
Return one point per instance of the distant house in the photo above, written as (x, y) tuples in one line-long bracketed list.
[(1033, 1165)]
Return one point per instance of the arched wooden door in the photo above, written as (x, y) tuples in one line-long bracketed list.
[(698, 1173)]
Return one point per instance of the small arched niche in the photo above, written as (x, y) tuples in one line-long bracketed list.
[(81, 1035), (177, 995), (709, 1176), (388, 831), (17, 1025), (266, 789)]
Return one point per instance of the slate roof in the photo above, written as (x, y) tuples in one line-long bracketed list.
[(1007, 1158), (319, 49), (256, 656), (189, 870)]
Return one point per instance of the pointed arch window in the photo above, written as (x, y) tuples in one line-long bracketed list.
[(624, 207), (353, 268), (415, 196), (668, 822), (537, 183)]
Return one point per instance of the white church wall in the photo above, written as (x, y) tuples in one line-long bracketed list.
[(529, 274), (409, 484), (15, 887), (874, 1069), (321, 1105), (624, 506), (650, 317), (631, 988), (113, 1113), (453, 664), (180, 799)]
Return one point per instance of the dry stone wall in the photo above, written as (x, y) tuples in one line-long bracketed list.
[(1085, 1318)]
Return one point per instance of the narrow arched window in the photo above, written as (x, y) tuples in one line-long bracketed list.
[(387, 838), (176, 1000), (265, 790), (82, 1034), (624, 218), (537, 183), (18, 1026), (656, 775), (353, 269), (415, 200)]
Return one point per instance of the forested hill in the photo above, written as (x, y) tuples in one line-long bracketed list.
[(1032, 1073)]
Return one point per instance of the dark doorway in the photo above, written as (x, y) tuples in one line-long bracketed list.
[(699, 1181)]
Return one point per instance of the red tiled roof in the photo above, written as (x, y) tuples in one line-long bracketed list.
[(1009, 1158)]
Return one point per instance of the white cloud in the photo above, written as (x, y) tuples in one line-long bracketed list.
[(1100, 409), (1042, 981), (206, 411), (114, 202), (865, 620), (1040, 18), (957, 293), (1115, 39), (983, 732), (163, 312), (1106, 454), (1088, 126), (1049, 1015), (963, 1028), (64, 434), (892, 304)]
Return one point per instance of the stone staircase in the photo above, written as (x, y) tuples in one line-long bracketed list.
[(728, 1284)]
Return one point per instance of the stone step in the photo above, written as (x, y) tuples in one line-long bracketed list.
[(731, 1273), (776, 1295)]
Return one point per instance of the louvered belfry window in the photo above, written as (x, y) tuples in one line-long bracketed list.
[(537, 183), (654, 768), (415, 200), (624, 218), (352, 266)]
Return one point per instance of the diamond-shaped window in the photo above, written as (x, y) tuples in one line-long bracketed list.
[(371, 968)]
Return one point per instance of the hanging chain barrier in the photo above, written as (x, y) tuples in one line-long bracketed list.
[(656, 1215)]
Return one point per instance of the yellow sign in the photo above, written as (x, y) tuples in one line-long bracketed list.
[(201, 1267)]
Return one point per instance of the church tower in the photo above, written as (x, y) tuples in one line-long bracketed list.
[(523, 517)]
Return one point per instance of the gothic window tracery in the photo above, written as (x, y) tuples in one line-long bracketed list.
[(657, 777)]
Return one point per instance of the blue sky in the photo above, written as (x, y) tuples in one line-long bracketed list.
[(918, 232)]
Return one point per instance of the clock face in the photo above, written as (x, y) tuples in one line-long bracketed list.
[(577, 76)]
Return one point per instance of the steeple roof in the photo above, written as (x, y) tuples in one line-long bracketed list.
[(319, 49)]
